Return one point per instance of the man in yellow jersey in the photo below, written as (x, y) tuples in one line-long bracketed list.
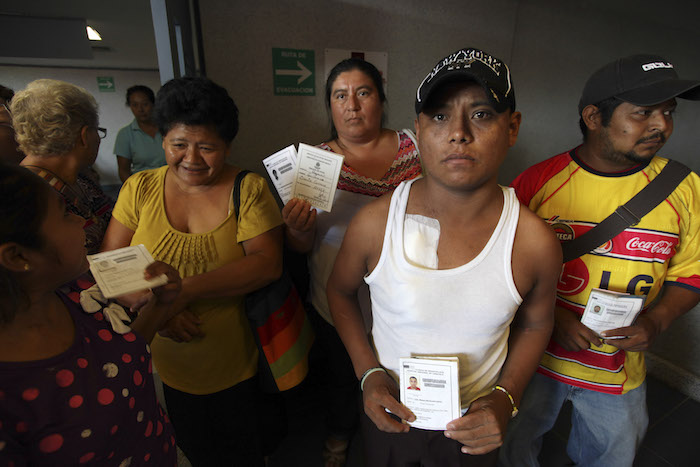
[(626, 115)]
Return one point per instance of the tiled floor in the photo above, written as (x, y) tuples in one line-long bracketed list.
[(672, 439)]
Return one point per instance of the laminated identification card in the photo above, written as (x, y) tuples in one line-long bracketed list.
[(282, 169), (430, 388), (120, 272), (608, 310)]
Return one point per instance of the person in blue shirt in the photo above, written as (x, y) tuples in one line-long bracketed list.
[(139, 145)]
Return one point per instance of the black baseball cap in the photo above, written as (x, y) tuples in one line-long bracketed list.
[(471, 64), (638, 79)]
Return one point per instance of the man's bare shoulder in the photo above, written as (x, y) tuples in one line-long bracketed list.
[(372, 217), (535, 235), (365, 235), (536, 252)]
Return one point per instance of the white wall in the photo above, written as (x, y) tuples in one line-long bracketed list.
[(239, 36), (559, 44), (114, 113), (552, 46)]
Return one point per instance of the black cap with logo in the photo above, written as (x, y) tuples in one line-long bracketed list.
[(638, 79), (471, 64)]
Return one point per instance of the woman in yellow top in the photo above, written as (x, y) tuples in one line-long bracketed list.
[(184, 214)]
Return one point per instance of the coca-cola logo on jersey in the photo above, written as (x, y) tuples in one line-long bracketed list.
[(662, 247)]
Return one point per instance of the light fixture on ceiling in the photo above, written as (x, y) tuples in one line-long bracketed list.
[(92, 34)]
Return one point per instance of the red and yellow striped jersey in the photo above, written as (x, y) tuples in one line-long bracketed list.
[(664, 248)]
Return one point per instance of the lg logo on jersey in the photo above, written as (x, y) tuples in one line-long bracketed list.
[(654, 65)]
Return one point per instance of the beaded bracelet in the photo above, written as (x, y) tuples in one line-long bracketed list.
[(510, 398), (367, 373)]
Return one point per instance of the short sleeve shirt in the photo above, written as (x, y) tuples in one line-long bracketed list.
[(227, 354), (663, 249), (136, 145), (94, 403)]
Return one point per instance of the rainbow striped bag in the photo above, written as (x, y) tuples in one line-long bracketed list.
[(280, 326), (282, 332)]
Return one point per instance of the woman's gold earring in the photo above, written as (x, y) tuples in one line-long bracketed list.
[(26, 266)]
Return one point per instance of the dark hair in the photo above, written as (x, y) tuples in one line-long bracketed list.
[(143, 89), (350, 64), (6, 94), (606, 108), (23, 209), (196, 101)]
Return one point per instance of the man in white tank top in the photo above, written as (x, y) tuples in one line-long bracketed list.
[(456, 267)]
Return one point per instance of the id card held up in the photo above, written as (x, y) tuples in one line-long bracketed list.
[(282, 169), (311, 174), (318, 171)]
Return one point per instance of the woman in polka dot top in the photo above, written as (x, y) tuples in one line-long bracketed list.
[(72, 390)]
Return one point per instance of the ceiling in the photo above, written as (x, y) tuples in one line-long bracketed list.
[(129, 43), (125, 25)]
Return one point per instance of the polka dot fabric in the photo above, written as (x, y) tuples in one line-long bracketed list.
[(94, 404)]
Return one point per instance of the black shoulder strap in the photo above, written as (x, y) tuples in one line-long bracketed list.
[(237, 191), (630, 213)]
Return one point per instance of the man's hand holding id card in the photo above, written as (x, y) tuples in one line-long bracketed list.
[(608, 310), (430, 388)]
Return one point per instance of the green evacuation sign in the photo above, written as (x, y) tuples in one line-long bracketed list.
[(293, 72), (105, 83)]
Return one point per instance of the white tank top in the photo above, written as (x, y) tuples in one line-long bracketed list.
[(464, 312)]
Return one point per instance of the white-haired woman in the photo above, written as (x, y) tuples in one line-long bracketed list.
[(57, 127)]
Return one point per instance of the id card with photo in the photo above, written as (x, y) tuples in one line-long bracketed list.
[(282, 169), (429, 386), (608, 310)]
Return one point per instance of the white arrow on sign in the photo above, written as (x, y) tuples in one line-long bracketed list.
[(107, 84), (303, 72)]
